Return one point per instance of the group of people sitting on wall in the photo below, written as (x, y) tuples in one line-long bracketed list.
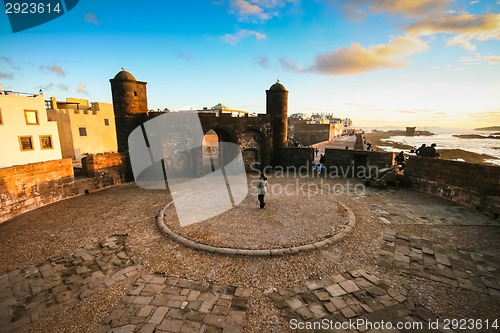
[(427, 151), (367, 144), (423, 151)]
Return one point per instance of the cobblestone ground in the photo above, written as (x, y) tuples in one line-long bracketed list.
[(59, 283), (449, 264), (411, 259), (347, 298), (165, 304), (430, 214)]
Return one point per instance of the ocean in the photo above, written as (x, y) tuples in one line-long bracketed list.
[(444, 139)]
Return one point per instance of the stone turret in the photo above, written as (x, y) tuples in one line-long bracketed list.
[(130, 104), (277, 107)]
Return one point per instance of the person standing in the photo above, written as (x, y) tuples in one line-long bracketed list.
[(319, 164), (262, 190)]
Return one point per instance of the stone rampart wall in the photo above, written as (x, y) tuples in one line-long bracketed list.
[(296, 157), (474, 185), (27, 187)]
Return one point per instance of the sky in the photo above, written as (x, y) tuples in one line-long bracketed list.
[(424, 63)]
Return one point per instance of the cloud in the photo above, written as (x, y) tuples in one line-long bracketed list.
[(63, 86), (423, 113), (263, 62), (183, 54), (8, 76), (55, 69), (465, 27), (353, 13), (291, 66), (92, 19), (245, 9), (488, 116), (240, 35), (46, 87), (82, 88), (478, 59), (358, 59), (492, 59), (408, 8), (9, 62), (260, 10)]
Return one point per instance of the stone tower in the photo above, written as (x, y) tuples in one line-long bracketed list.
[(130, 105), (277, 107)]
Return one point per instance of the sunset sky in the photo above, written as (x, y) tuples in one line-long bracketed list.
[(433, 63)]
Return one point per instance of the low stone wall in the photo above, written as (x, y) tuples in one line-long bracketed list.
[(26, 187), (474, 185), (109, 168), (296, 157), (356, 163)]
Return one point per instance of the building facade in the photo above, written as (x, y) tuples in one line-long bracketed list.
[(26, 134), (84, 128)]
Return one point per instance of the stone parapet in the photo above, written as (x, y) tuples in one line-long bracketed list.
[(26, 187), (474, 185)]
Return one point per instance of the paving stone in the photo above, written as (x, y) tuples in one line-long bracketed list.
[(318, 310), (142, 300), (322, 295), (153, 288), (295, 302), (171, 325), (215, 320), (145, 311), (304, 313), (335, 290), (212, 310), (158, 315), (147, 328), (58, 283), (348, 312), (330, 307), (446, 264), (338, 302), (349, 286), (193, 295), (236, 317)]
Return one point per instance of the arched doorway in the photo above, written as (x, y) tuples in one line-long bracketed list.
[(177, 154), (210, 151), (253, 145)]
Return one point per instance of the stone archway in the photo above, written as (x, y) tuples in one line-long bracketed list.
[(253, 146), (214, 154)]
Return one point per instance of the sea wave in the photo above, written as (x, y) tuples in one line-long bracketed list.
[(448, 141)]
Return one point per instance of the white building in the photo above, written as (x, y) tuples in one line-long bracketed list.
[(26, 134), (347, 126)]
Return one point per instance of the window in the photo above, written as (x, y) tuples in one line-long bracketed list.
[(1, 121), (46, 142), (106, 122), (83, 131), (26, 143), (31, 117), (135, 93)]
